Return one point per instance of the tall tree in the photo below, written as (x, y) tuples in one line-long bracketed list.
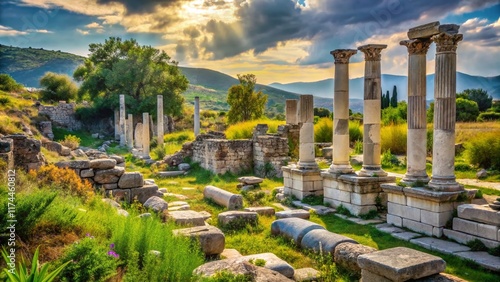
[(245, 104), (480, 96), (394, 98), (57, 87), (140, 72)]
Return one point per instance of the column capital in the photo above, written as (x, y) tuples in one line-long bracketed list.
[(342, 56), (372, 51), (417, 46), (446, 42)]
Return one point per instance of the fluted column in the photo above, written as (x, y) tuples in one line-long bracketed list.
[(371, 111), (123, 126), (443, 155), (416, 148), (196, 116), (306, 117), (340, 162), (145, 135), (159, 123)]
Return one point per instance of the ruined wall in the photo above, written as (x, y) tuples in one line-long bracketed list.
[(292, 133), (221, 155), (63, 114), (270, 152), (20, 151)]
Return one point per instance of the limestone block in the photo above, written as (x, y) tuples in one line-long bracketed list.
[(465, 226), (483, 214), (108, 175), (418, 226), (324, 241), (118, 159), (223, 197), (250, 180), (306, 275), (211, 239), (84, 164), (86, 173), (404, 211), (102, 163), (156, 204), (268, 211), (130, 180), (401, 264), (442, 246), (429, 205), (342, 196), (364, 199), (143, 193), (293, 213), (435, 218), (396, 198), (237, 218), (463, 238), (110, 186), (293, 228), (121, 195), (346, 255), (357, 210), (273, 262), (230, 253), (187, 218)]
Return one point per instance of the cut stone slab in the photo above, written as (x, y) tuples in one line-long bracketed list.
[(273, 262), (306, 275), (237, 218), (463, 238), (293, 228), (346, 255), (187, 218), (206, 215), (323, 240), (102, 163), (170, 173), (250, 180), (424, 31), (268, 211), (479, 213), (211, 238), (441, 277), (230, 253), (320, 210), (389, 228), (293, 213), (401, 264), (280, 206), (157, 204), (223, 197), (131, 180), (239, 267), (179, 208), (407, 236), (442, 246), (142, 194), (482, 258)]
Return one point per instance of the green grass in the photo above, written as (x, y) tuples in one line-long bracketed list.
[(244, 130), (86, 139)]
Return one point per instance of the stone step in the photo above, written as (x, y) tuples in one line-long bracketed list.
[(407, 236), (439, 245), (389, 228), (477, 229), (482, 258), (318, 209), (463, 238)]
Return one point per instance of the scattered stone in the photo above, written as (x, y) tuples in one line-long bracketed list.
[(223, 197), (293, 228), (111, 202), (483, 173), (401, 264), (237, 219), (157, 204), (320, 210), (187, 218), (240, 267), (212, 240), (149, 181), (184, 166), (268, 211), (324, 241), (293, 213), (123, 212), (102, 163), (206, 215), (306, 275), (346, 255), (230, 253), (280, 197), (177, 204), (118, 159), (142, 194), (131, 180), (144, 215), (250, 180), (170, 173), (179, 208), (163, 190)]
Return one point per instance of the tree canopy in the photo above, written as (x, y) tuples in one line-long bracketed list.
[(467, 110), (57, 87), (7, 83), (480, 96), (245, 104), (140, 72)]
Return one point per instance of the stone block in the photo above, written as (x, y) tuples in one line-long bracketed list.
[(403, 211), (463, 238), (237, 218), (483, 259), (108, 175), (346, 255), (401, 264), (435, 218), (396, 198), (406, 236), (442, 246), (86, 173), (342, 196), (103, 163), (238, 266), (130, 180), (465, 226), (368, 276), (187, 218), (357, 210), (230, 253), (83, 164), (142, 194), (110, 186), (424, 31), (293, 213), (306, 275), (293, 228), (418, 226), (211, 239), (267, 211), (250, 180), (483, 214), (223, 197), (364, 199), (429, 205), (394, 220), (156, 204), (324, 241), (388, 228), (487, 231), (437, 232)]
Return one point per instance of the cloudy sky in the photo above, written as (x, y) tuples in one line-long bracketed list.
[(278, 40)]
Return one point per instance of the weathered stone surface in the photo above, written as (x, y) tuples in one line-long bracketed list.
[(131, 180), (74, 164), (306, 274), (223, 197), (118, 159), (111, 202), (187, 218), (250, 180), (273, 262), (293, 213), (441, 277), (483, 173), (110, 186), (212, 240), (424, 31), (156, 203), (239, 267), (268, 211), (401, 264), (123, 212), (482, 258), (346, 255), (442, 246), (230, 253), (57, 147), (143, 193), (102, 163), (86, 173), (293, 228), (237, 218), (323, 240), (388, 228), (184, 166), (479, 213), (108, 175)]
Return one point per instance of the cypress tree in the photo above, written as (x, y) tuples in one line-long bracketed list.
[(394, 99)]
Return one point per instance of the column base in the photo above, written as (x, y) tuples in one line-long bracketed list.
[(415, 179), (372, 171), (307, 165), (302, 183), (341, 169), (445, 183)]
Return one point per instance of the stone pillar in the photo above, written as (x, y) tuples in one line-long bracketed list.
[(340, 161), (443, 155), (196, 116), (417, 120), (117, 125), (291, 111), (145, 135), (371, 111), (306, 117), (123, 127), (159, 123), (130, 131)]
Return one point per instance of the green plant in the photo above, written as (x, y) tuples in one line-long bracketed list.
[(71, 141), (494, 251), (389, 160), (4, 101), (476, 245), (488, 116), (358, 147), (343, 210), (38, 273), (393, 137), (159, 152), (7, 83), (313, 200), (484, 151), (323, 130), (57, 87), (369, 215), (225, 276), (355, 132), (479, 194)]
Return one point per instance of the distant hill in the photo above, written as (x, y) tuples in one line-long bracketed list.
[(324, 88)]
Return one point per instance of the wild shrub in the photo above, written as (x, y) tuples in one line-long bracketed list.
[(4, 101), (484, 151), (323, 130), (244, 130), (180, 136), (389, 160), (358, 147), (159, 152), (71, 141), (355, 131), (394, 138), (476, 245), (488, 116), (7, 83)]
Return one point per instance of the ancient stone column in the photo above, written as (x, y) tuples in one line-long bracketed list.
[(123, 126), (340, 161), (196, 116), (291, 111), (159, 124), (416, 147), (371, 111), (145, 134), (443, 155), (130, 131), (117, 125), (306, 117)]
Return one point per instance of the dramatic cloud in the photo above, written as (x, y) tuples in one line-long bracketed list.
[(481, 32), (143, 6), (8, 31)]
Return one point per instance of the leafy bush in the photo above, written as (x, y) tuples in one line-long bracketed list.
[(71, 141), (57, 87), (89, 261), (244, 130), (355, 131), (389, 160), (395, 115), (159, 152), (467, 110), (180, 136), (4, 101), (358, 147), (7, 83), (484, 151), (323, 130), (394, 138), (488, 116)]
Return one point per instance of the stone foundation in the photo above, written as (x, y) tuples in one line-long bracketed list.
[(302, 182), (357, 194)]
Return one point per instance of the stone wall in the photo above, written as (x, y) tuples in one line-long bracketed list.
[(63, 114), (20, 151), (221, 155), (270, 153)]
